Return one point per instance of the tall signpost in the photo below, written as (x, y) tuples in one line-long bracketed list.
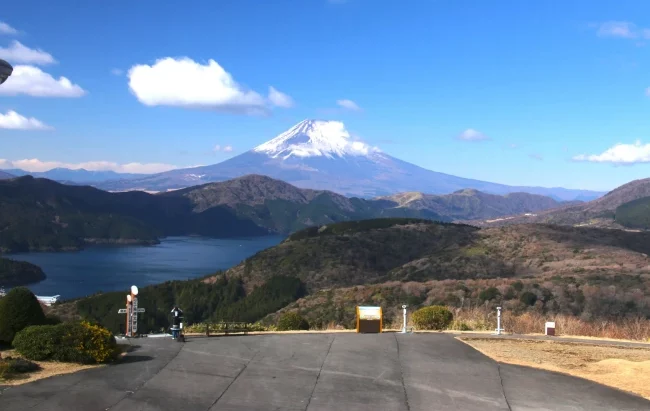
[(131, 312)]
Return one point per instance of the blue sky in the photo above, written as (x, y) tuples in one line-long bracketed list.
[(545, 82)]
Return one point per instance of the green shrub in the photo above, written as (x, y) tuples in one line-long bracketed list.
[(39, 342), (5, 370), (19, 309), (292, 321), (528, 298), (21, 365), (489, 294), (11, 366), (435, 317), (81, 342)]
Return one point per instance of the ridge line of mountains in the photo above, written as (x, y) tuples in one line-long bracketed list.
[(312, 154), (40, 214)]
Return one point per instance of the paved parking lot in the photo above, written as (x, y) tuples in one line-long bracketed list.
[(314, 372)]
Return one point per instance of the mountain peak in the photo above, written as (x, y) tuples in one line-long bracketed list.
[(315, 138)]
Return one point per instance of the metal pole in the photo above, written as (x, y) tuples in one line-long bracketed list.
[(499, 329)]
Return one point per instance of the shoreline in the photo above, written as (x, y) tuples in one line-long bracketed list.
[(108, 243)]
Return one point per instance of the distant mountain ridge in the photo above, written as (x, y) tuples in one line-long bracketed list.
[(40, 214), (600, 212), (77, 176), (322, 155), (4, 175), (471, 204)]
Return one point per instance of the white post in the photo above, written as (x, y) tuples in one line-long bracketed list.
[(404, 324), (499, 329)]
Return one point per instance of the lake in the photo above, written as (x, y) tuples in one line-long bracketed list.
[(115, 268)]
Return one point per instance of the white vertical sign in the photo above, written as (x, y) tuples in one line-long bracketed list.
[(134, 316)]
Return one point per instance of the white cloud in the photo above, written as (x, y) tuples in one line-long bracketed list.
[(185, 83), (227, 149), (36, 165), (19, 53), (279, 99), (34, 82), (15, 121), (620, 154), (117, 72), (348, 105), (622, 29), (472, 135), (7, 29), (536, 156)]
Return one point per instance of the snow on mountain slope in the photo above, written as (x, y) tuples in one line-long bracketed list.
[(322, 155), (313, 138)]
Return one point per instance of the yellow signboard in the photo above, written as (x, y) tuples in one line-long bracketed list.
[(369, 319)]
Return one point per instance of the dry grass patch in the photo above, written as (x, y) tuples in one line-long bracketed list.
[(48, 369), (619, 367)]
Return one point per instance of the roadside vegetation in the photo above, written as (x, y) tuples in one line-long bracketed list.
[(43, 345), (222, 299)]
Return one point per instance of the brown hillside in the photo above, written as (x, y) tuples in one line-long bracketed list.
[(473, 204), (423, 252), (596, 213)]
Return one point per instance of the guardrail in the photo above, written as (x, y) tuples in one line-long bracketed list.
[(226, 327)]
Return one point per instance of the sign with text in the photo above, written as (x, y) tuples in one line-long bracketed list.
[(369, 313), (369, 319)]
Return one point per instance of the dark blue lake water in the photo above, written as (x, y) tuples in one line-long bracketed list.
[(76, 274)]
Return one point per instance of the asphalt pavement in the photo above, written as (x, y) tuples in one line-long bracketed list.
[(389, 371)]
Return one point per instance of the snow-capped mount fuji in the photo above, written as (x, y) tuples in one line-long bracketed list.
[(323, 155), (315, 138)]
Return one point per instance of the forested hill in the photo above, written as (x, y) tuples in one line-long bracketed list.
[(389, 261), (40, 214), (13, 273), (374, 251)]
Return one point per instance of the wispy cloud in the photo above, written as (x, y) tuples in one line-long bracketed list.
[(19, 53), (33, 81), (14, 121), (182, 82), (620, 154), (348, 105), (621, 29), (7, 29), (36, 165), (536, 156), (226, 149), (117, 72), (472, 135), (280, 99)]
